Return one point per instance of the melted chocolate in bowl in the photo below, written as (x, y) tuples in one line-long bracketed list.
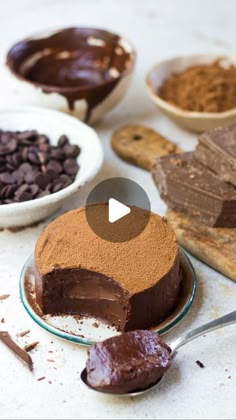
[(78, 63)]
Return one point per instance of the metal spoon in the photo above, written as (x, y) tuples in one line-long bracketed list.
[(175, 345)]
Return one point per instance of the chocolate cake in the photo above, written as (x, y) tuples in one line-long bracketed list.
[(131, 285), (128, 362)]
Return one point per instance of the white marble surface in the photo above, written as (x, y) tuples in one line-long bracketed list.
[(158, 29)]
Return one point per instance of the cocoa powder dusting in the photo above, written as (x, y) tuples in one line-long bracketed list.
[(69, 242), (202, 88)]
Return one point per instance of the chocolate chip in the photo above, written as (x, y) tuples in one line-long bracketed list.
[(25, 167), (49, 187), (52, 174), (55, 166), (57, 187), (33, 157), (7, 178), (44, 147), (16, 159), (8, 147), (23, 188), (63, 140), (25, 196), (18, 176), (43, 194), (34, 188), (71, 150), (43, 140), (8, 191), (9, 201), (30, 176), (42, 180), (70, 166), (65, 180), (57, 154), (24, 154), (28, 135)]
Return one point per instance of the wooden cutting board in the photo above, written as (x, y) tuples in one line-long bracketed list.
[(140, 145), (214, 246)]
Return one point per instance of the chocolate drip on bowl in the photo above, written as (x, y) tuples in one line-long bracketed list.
[(77, 63)]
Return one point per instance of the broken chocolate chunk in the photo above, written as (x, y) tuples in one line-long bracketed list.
[(192, 189), (217, 150)]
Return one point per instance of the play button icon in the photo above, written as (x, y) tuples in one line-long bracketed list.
[(117, 209)]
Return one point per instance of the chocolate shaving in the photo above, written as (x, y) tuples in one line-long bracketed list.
[(23, 333), (31, 346), (19, 352), (3, 297), (2, 320), (41, 379)]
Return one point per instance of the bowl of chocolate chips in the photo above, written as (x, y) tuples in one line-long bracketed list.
[(45, 157), (198, 92)]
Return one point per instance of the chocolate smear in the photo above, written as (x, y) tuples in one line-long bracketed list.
[(18, 351)]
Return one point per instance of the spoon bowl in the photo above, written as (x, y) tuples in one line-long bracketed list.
[(175, 345), (83, 377)]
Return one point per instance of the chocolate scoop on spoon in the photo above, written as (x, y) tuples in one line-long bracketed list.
[(133, 363)]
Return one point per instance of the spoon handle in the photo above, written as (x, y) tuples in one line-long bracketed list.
[(206, 328)]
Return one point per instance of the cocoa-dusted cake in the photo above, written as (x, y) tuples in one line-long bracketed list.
[(132, 284)]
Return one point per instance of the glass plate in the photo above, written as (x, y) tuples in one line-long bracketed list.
[(86, 331)]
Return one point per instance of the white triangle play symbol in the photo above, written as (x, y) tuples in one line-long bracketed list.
[(116, 210)]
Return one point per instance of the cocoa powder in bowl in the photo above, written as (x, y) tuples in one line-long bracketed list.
[(202, 88)]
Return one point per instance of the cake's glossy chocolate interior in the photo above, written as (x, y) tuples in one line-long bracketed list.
[(79, 63), (129, 362), (84, 292)]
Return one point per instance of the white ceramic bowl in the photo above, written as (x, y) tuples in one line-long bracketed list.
[(194, 121), (53, 124)]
